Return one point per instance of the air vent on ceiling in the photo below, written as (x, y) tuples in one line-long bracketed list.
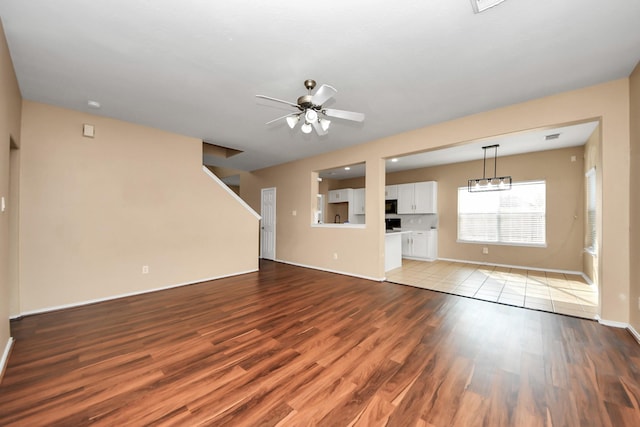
[(482, 5), (552, 136)]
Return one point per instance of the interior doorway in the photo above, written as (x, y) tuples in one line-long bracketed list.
[(268, 223)]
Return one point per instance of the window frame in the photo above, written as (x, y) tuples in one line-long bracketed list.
[(497, 214)]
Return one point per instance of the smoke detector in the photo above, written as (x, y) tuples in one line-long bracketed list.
[(482, 5)]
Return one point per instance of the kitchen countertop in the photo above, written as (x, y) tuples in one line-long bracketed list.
[(397, 231)]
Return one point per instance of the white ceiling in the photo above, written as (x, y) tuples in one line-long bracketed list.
[(194, 66)]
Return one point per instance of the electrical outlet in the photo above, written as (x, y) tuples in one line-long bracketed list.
[(335, 255), (294, 213), (145, 269), (485, 250)]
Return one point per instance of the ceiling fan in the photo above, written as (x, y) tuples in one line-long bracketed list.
[(311, 110)]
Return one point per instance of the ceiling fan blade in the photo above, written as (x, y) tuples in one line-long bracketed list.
[(323, 94), (277, 100), (341, 114), (316, 125), (282, 117)]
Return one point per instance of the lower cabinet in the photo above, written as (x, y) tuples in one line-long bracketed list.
[(420, 245)]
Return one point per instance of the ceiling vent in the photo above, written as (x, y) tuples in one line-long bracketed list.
[(482, 5), (552, 136)]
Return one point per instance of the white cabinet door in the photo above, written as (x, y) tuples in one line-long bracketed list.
[(418, 198), (421, 245), (405, 198), (358, 201), (406, 244), (420, 242), (425, 197), (391, 192), (432, 245), (340, 196)]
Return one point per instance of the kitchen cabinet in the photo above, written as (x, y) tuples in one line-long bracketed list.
[(391, 192), (358, 201), (432, 244), (420, 245), (418, 198), (340, 196), (414, 244)]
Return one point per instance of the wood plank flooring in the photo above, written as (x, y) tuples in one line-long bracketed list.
[(296, 347)]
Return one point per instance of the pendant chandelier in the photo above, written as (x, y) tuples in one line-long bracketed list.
[(493, 183)]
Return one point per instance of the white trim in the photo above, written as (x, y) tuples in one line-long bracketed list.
[(344, 273), (612, 323), (419, 259), (97, 300), (230, 191), (5, 356), (522, 267), (333, 225), (634, 333), (482, 242)]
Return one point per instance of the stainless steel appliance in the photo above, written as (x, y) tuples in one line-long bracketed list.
[(391, 206), (391, 223)]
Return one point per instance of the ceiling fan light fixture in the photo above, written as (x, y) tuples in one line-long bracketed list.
[(482, 5), (292, 121), (324, 123), (311, 106), (306, 128), (311, 116)]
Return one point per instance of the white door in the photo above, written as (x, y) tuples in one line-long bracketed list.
[(268, 223)]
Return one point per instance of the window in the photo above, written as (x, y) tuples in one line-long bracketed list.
[(515, 217), (591, 237)]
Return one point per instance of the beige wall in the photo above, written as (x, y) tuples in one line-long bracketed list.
[(9, 130), (565, 219), (635, 198), (361, 251), (94, 211)]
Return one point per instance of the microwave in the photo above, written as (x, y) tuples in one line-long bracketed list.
[(391, 206)]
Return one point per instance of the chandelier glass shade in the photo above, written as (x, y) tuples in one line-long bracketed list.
[(493, 183)]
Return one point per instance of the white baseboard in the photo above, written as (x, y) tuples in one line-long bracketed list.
[(344, 273), (523, 267), (94, 301), (612, 323), (634, 333), (5, 357)]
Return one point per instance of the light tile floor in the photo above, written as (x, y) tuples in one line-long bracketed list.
[(538, 290)]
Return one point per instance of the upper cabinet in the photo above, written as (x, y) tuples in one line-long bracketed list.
[(358, 201), (418, 198), (391, 192), (340, 196)]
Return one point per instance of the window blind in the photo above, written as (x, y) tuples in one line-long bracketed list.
[(514, 217)]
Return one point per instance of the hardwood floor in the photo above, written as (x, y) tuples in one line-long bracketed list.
[(297, 347)]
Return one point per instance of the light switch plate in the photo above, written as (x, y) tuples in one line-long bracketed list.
[(4, 205), (88, 130)]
